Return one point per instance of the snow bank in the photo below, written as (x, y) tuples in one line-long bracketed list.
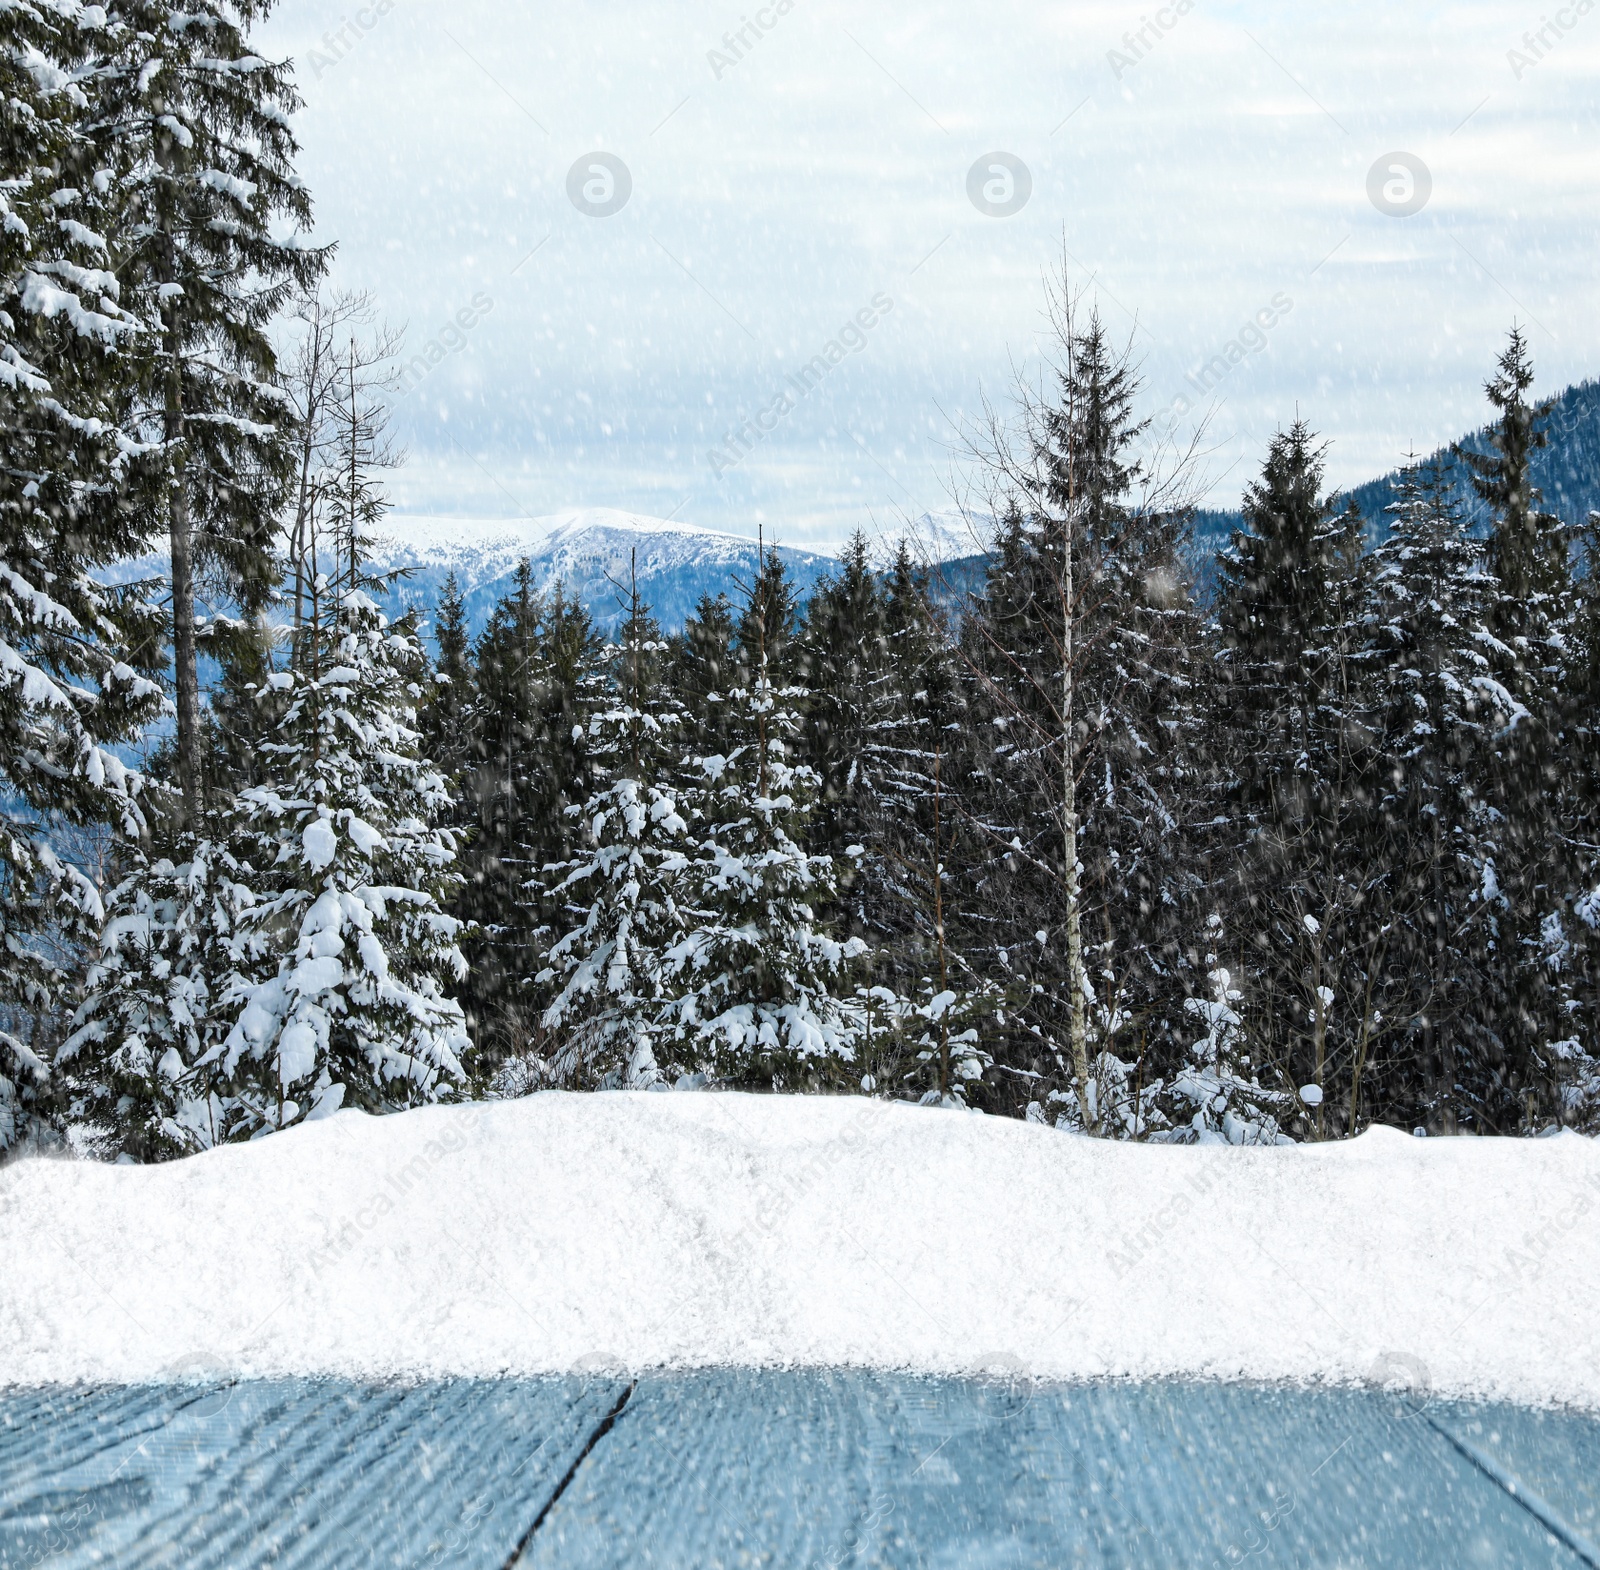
[(637, 1230)]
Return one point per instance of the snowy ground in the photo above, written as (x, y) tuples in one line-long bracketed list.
[(633, 1231)]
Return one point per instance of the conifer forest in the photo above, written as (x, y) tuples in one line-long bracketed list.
[(1110, 824)]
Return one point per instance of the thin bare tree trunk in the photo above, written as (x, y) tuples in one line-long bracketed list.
[(938, 924), (1077, 982), (760, 602), (303, 502), (355, 431), (1320, 1029)]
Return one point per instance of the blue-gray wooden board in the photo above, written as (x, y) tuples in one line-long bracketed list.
[(806, 1470)]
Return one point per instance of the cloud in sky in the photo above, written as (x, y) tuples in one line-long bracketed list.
[(790, 164)]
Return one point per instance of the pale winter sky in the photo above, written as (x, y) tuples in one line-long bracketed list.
[(777, 186)]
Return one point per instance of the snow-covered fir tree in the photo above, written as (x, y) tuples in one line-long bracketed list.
[(1229, 1103), (909, 872), (345, 943), (700, 668), (286, 949), (626, 882), (446, 715), (1078, 658), (1291, 729), (766, 633), (1522, 1012), (1437, 703), (844, 652), (947, 1027), (76, 657), (1527, 552), (881, 720), (195, 126), (1136, 641), (159, 998), (499, 792), (1576, 1051), (1213, 1096), (758, 989), (538, 676)]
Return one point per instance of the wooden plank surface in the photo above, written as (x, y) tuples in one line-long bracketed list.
[(806, 1470), (300, 1474)]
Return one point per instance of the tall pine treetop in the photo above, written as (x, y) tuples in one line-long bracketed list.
[(1274, 577), (1527, 549)]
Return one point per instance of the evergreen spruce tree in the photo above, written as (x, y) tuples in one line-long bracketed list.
[(502, 852), (75, 657), (626, 882), (538, 677), (346, 937), (242, 710), (916, 641), (766, 636), (1576, 1054), (757, 987), (1527, 546), (1136, 642), (1078, 651), (196, 126), (447, 717), (1294, 704), (700, 668), (159, 997), (1021, 779), (1227, 1107), (1437, 703), (905, 716), (1523, 1015), (844, 652), (906, 891), (570, 685)]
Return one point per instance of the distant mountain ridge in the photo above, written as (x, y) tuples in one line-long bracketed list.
[(589, 552)]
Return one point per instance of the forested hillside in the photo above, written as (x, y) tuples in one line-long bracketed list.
[(1566, 471)]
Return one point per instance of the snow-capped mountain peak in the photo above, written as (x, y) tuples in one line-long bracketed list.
[(588, 551)]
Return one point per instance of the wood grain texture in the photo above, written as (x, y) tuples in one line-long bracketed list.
[(800, 1469)]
